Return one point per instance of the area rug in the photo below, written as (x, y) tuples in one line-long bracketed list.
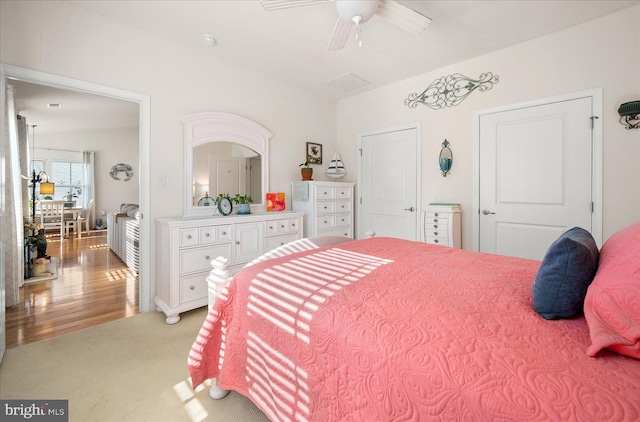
[(133, 369)]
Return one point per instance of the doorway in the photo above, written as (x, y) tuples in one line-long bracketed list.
[(389, 183), (143, 101), (537, 174)]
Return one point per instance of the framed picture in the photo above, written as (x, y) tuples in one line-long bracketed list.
[(314, 153)]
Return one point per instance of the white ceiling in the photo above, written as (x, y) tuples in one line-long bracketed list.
[(290, 44)]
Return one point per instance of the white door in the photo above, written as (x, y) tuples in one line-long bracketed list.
[(535, 176), (226, 175), (388, 183)]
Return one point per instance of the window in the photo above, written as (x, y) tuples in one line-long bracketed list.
[(67, 176)]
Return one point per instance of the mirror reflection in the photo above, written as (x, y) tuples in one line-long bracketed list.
[(226, 167)]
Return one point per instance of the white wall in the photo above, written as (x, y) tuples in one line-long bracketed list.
[(602, 53), (111, 147), (61, 39)]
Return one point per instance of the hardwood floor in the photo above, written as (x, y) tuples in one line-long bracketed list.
[(93, 287)]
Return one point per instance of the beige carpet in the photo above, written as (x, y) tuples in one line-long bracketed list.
[(133, 369)]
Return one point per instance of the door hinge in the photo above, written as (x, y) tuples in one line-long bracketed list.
[(360, 149), (592, 207), (593, 119), (361, 200)]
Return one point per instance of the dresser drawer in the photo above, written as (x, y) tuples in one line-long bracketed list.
[(437, 240), (207, 235), (325, 192), (325, 221), (343, 193), (223, 233), (189, 237), (326, 207), (342, 231), (342, 220), (437, 232), (343, 206), (277, 241), (193, 287), (199, 259)]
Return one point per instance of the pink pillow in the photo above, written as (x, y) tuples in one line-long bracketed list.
[(612, 304)]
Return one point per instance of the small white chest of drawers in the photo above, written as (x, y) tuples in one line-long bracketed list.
[(442, 225), (186, 246), (328, 207)]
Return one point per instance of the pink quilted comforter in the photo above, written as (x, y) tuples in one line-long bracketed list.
[(390, 330)]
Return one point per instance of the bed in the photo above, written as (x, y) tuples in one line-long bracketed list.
[(385, 329)]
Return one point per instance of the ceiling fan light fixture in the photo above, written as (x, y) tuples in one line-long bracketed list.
[(350, 9)]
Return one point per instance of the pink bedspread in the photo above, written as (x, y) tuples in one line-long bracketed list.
[(389, 330)]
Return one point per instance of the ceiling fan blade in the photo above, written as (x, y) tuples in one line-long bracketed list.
[(402, 16), (340, 35), (270, 5)]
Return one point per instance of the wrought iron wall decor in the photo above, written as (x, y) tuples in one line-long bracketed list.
[(630, 114), (451, 90)]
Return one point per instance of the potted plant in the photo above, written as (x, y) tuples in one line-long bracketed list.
[(305, 170), (243, 202)]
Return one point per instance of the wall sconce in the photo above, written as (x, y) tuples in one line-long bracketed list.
[(630, 114), (446, 158)]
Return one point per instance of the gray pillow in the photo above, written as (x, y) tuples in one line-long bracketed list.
[(565, 273)]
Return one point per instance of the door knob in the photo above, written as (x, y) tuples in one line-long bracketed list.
[(411, 209), (487, 212)]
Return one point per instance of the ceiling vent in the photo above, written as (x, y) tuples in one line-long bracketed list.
[(347, 82)]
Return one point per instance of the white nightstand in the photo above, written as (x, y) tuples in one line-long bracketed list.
[(442, 225)]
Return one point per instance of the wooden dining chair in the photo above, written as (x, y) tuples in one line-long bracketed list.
[(51, 215), (82, 219)]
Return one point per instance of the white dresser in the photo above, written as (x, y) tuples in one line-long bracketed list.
[(328, 207), (442, 225), (186, 246)]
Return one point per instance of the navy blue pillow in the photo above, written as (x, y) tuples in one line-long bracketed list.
[(567, 269)]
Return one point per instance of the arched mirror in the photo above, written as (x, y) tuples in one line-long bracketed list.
[(224, 153)]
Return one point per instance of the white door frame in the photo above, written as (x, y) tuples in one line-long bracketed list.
[(418, 128), (144, 101), (596, 161)]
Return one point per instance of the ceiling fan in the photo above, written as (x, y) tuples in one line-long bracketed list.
[(355, 12)]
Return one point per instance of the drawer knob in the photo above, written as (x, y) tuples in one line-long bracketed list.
[(224, 233), (237, 242), (188, 236), (282, 225), (435, 233), (436, 214), (293, 224), (435, 240), (207, 257), (435, 220), (325, 221), (325, 207), (192, 287), (325, 193), (271, 227), (208, 234), (435, 226)]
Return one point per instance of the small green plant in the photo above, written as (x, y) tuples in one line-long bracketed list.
[(242, 199), (306, 163)]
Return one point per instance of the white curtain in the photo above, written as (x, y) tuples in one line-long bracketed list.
[(89, 182), (13, 236)]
